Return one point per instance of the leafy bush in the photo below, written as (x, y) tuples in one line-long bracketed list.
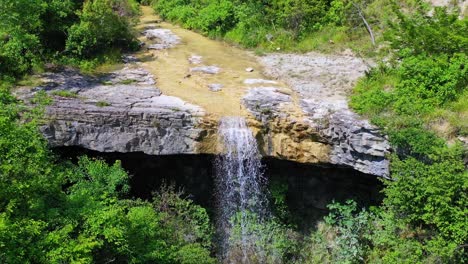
[(54, 212), (417, 33), (103, 24), (250, 23), (260, 241), (32, 32), (215, 19), (342, 238), (429, 82), (426, 200), (350, 226)]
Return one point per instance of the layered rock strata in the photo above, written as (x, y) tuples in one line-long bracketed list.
[(308, 121), (318, 126), (118, 114)]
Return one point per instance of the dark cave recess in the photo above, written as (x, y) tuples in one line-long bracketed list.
[(309, 187)]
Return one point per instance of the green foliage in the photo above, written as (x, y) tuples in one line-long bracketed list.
[(103, 24), (429, 82), (373, 93), (65, 93), (278, 191), (325, 25), (350, 227), (262, 241), (417, 33), (54, 212), (32, 32), (215, 19), (425, 211), (342, 238), (183, 219), (103, 104), (435, 195), (250, 23)]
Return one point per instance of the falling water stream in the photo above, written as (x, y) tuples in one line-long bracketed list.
[(239, 181)]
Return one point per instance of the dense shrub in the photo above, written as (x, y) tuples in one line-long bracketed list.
[(260, 241), (249, 23), (103, 24), (32, 32), (426, 200), (54, 212), (419, 33)]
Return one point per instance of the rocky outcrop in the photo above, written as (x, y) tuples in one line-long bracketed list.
[(319, 127), (307, 121), (160, 38), (339, 138), (118, 117)]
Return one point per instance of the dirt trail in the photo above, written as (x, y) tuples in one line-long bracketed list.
[(171, 67)]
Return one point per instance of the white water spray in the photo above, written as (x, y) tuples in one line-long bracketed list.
[(239, 180)]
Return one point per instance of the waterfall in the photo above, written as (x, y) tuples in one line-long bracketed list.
[(241, 201)]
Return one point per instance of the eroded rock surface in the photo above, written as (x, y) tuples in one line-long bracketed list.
[(324, 121), (308, 120), (164, 38), (129, 75), (215, 87), (206, 69), (116, 117)]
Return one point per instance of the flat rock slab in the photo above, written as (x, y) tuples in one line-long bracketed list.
[(133, 117), (67, 79), (215, 87), (206, 69), (130, 75), (265, 102), (195, 59), (259, 81), (318, 76), (165, 38)]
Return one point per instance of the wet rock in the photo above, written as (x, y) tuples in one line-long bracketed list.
[(215, 87), (265, 102), (67, 79), (259, 81), (206, 69), (195, 59), (129, 59), (165, 38), (129, 75)]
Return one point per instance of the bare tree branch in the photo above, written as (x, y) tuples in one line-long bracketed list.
[(368, 27)]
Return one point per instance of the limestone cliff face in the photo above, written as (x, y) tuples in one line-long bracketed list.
[(340, 138), (109, 116), (307, 120), (125, 112)]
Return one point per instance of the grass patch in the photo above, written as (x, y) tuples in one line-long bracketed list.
[(452, 120), (332, 39), (30, 81), (108, 61), (103, 104), (128, 81), (65, 93)]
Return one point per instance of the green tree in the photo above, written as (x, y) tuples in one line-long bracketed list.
[(57, 212)]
